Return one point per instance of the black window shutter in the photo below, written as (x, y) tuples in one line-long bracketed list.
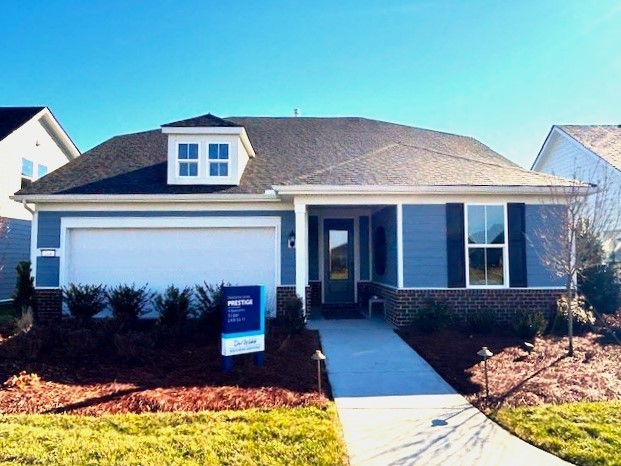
[(517, 245), (456, 256)]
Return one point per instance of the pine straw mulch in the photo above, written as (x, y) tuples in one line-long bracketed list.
[(185, 377), (519, 379)]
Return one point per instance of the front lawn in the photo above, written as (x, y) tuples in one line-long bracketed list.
[(582, 433), (288, 436)]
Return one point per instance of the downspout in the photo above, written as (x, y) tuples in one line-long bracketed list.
[(27, 208)]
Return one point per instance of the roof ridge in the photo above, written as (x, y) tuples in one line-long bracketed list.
[(345, 162)]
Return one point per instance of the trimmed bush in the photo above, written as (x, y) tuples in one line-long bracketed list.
[(24, 297), (583, 318), (482, 321), (528, 324), (128, 303), (174, 306), (434, 316), (599, 286), (293, 319), (85, 301), (209, 304)]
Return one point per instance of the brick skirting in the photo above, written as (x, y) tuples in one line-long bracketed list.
[(49, 305), (401, 305), (285, 293), (364, 292), (315, 294)]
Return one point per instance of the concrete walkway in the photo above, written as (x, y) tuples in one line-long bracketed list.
[(396, 410)]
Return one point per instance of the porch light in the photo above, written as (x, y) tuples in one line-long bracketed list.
[(291, 240), (318, 356), (485, 354)]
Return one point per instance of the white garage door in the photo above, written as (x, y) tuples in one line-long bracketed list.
[(179, 256)]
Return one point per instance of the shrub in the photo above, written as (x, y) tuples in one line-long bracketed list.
[(209, 300), (84, 301), (80, 344), (24, 322), (599, 286), (128, 303), (583, 317), (482, 321), (174, 306), (293, 319), (528, 324), (24, 296), (433, 316), (133, 347)]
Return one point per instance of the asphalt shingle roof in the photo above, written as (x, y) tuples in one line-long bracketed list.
[(11, 118), (603, 140), (291, 151)]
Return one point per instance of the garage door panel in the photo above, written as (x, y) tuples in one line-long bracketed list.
[(179, 256)]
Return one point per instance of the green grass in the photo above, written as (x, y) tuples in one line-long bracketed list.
[(297, 436), (582, 433), (6, 312)]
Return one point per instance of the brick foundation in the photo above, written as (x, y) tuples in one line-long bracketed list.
[(285, 293), (49, 305), (401, 305), (315, 293)]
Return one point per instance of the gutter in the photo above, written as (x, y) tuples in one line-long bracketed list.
[(144, 198)]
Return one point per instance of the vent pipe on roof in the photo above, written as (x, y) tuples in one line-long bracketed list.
[(296, 112)]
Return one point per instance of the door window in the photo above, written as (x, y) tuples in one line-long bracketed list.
[(339, 254)]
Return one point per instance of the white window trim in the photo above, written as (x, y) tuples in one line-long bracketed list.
[(47, 170), (504, 246), (210, 161), (180, 161)]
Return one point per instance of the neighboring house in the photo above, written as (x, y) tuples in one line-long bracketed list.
[(32, 144), (333, 209), (590, 153)]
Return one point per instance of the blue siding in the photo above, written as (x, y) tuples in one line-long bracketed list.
[(49, 234), (313, 248), (540, 218), (387, 217), (47, 271), (364, 247), (14, 248), (424, 246)]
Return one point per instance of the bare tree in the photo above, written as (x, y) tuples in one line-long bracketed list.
[(580, 210)]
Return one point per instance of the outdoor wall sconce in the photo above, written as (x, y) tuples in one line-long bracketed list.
[(485, 354), (291, 240), (318, 356)]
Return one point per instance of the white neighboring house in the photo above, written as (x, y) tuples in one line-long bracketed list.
[(590, 153), (32, 144)]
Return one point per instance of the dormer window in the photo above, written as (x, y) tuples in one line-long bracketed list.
[(187, 156), (218, 160)]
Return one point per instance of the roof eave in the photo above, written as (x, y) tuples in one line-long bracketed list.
[(143, 198)]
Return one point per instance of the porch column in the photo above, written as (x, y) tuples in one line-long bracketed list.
[(301, 251)]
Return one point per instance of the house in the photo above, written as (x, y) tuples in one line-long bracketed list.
[(32, 144), (590, 153), (333, 209)]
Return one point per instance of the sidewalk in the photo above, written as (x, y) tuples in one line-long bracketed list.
[(396, 410)]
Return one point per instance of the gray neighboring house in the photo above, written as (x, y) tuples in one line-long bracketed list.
[(32, 144), (333, 209), (590, 153)]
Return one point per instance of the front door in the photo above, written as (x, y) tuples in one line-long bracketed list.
[(338, 240)]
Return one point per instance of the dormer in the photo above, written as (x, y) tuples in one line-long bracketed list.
[(206, 150)]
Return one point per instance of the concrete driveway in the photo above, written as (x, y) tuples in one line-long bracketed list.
[(396, 410)]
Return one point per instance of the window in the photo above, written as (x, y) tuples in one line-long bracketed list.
[(339, 254), (188, 159), (486, 249), (27, 168), (218, 160), (41, 171)]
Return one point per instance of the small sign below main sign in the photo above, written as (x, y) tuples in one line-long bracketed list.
[(243, 323)]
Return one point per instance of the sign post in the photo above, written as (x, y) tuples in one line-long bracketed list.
[(243, 323)]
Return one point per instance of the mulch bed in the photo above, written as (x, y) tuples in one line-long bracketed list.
[(519, 379), (185, 376)]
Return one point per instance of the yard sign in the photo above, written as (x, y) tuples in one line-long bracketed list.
[(243, 323)]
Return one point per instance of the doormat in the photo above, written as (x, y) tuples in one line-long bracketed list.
[(334, 314)]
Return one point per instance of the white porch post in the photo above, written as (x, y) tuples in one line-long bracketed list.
[(301, 251), (400, 245)]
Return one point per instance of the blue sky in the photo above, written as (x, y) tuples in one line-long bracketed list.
[(502, 72)]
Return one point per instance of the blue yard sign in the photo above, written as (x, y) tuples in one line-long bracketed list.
[(243, 323)]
